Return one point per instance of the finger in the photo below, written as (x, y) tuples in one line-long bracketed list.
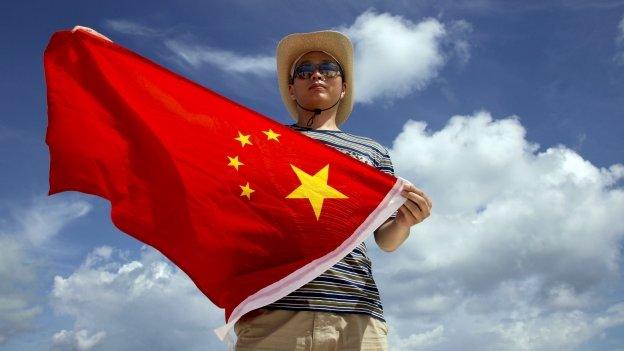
[(420, 201), (409, 216), (414, 209), (428, 200), (409, 187), (412, 188), (92, 31)]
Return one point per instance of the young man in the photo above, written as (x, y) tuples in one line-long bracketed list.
[(340, 309)]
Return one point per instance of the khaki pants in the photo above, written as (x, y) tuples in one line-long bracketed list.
[(278, 330)]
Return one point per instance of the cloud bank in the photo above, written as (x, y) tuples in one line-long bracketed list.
[(147, 303), (521, 251), (24, 236)]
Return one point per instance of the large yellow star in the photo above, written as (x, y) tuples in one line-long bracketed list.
[(244, 139), (315, 189), (271, 135), (246, 190), (234, 162)]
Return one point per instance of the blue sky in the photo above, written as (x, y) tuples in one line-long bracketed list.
[(508, 114)]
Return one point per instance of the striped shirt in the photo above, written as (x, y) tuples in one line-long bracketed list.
[(348, 286)]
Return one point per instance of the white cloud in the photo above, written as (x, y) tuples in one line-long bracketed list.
[(24, 235), (457, 39), (197, 55), (143, 304), (619, 41), (45, 218), (420, 340), (620, 37), (521, 251), (396, 57), (78, 341), (132, 28), (228, 61)]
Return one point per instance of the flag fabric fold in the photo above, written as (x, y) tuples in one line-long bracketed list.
[(250, 209)]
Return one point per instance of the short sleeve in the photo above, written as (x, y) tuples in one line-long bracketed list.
[(384, 164)]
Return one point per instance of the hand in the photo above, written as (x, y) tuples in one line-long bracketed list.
[(416, 208), (90, 31)]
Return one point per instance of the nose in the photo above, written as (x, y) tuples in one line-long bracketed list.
[(316, 75)]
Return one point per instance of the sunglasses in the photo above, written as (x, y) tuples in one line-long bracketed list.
[(326, 69)]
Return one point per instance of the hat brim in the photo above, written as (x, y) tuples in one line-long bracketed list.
[(294, 45)]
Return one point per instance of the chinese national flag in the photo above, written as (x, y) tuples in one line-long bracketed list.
[(250, 209)]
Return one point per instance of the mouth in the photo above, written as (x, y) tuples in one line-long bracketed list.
[(316, 86)]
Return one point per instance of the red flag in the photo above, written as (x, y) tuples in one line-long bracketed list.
[(250, 209)]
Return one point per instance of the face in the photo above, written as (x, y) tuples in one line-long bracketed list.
[(317, 91)]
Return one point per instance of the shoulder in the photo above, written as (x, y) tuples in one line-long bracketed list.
[(372, 143), (377, 149), (378, 153)]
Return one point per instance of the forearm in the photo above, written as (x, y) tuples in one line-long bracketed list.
[(390, 235)]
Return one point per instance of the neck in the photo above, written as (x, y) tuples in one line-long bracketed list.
[(326, 120)]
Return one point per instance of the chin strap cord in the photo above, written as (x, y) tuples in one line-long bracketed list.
[(317, 111)]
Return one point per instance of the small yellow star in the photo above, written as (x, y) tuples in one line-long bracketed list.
[(246, 190), (234, 162), (271, 135), (315, 189), (244, 139)]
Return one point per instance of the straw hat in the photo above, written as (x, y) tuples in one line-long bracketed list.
[(293, 46)]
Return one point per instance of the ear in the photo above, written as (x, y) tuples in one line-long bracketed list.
[(344, 90), (291, 91)]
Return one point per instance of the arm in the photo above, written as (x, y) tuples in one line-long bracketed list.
[(390, 235)]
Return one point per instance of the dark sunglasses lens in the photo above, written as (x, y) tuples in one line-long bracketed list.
[(329, 69), (304, 71)]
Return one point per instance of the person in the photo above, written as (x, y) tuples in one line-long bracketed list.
[(341, 308)]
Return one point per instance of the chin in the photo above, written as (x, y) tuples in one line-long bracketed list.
[(318, 102)]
